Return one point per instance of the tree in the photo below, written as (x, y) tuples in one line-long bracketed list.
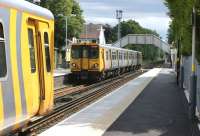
[(180, 28), (75, 24), (109, 34), (65, 8)]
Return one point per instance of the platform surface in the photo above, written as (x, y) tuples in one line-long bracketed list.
[(61, 72), (97, 117), (160, 110), (150, 105)]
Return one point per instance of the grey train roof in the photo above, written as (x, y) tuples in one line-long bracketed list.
[(25, 6)]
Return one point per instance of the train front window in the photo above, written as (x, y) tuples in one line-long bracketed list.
[(76, 52), (94, 52), (3, 69)]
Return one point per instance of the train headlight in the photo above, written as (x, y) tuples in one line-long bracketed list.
[(73, 64), (96, 65)]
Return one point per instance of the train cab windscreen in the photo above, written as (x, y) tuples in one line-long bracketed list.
[(91, 52), (94, 52), (76, 52)]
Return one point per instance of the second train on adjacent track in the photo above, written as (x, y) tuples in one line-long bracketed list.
[(95, 62)]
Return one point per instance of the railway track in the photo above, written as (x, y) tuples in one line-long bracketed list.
[(63, 91), (91, 94), (58, 93)]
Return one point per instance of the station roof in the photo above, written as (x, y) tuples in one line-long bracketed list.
[(28, 7), (90, 31)]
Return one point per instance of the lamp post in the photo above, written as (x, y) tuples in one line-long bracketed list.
[(66, 27), (67, 49), (193, 78), (119, 17), (66, 30)]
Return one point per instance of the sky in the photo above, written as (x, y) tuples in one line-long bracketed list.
[(150, 14)]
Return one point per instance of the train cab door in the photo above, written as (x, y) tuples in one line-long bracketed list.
[(85, 58)]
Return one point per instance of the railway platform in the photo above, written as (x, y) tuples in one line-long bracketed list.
[(61, 77), (150, 105)]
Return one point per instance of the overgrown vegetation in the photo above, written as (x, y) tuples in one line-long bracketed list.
[(180, 29), (150, 53)]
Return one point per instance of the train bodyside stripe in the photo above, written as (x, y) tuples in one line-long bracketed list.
[(7, 84), (19, 64), (1, 108), (14, 65)]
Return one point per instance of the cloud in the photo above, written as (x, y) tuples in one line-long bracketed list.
[(149, 13), (160, 24)]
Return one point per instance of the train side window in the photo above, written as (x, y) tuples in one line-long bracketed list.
[(106, 55), (47, 51), (31, 49), (3, 69), (113, 55)]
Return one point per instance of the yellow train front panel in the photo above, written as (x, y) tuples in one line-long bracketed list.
[(86, 57)]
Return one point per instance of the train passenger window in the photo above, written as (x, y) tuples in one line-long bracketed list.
[(32, 50), (47, 52), (3, 69)]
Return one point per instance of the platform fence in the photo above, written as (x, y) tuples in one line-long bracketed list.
[(187, 62)]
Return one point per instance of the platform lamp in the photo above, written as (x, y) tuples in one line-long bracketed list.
[(119, 17)]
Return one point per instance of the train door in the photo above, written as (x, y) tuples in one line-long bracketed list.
[(46, 65), (32, 81), (41, 76), (84, 58), (118, 58), (110, 58)]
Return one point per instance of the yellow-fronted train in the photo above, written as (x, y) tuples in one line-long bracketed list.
[(96, 62)]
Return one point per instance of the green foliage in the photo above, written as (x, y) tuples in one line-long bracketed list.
[(198, 39), (150, 53), (109, 33), (65, 8), (180, 28)]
